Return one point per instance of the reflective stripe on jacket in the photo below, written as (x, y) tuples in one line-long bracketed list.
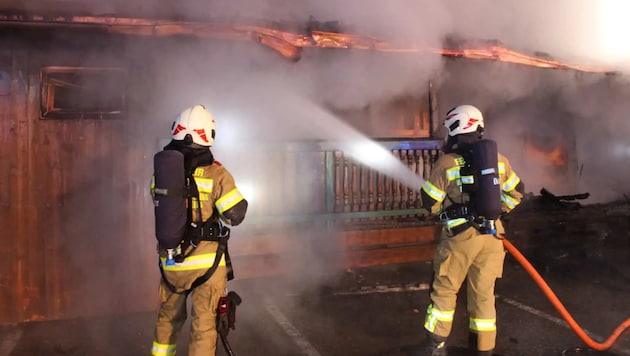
[(446, 180)]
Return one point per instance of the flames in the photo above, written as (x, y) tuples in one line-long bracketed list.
[(555, 157), (502, 54), (290, 44)]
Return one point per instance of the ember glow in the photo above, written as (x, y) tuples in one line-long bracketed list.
[(290, 44), (350, 41), (555, 157)]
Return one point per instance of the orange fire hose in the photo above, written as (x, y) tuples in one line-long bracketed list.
[(558, 305)]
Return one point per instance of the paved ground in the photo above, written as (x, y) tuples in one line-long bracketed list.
[(373, 312)]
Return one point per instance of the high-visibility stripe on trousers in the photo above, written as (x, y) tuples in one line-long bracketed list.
[(435, 315), (162, 349), (477, 260), (477, 325), (172, 312)]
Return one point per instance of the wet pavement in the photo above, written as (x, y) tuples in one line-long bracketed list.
[(376, 311)]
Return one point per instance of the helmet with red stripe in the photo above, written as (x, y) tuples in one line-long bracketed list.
[(463, 119), (195, 124)]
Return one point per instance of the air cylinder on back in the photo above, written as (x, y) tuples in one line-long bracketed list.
[(485, 162), (169, 198)]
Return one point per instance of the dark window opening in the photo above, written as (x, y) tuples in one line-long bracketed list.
[(82, 93)]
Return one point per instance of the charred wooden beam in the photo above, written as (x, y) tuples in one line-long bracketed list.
[(286, 43)]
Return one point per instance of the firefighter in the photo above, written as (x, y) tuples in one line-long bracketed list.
[(215, 205), (469, 249)]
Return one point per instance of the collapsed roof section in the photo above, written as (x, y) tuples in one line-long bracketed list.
[(290, 41)]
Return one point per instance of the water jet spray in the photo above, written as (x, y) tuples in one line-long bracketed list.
[(359, 147)]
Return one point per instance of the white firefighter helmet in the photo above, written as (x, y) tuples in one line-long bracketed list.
[(197, 122), (463, 119)]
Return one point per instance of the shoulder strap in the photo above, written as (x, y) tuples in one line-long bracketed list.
[(192, 192), (466, 162)]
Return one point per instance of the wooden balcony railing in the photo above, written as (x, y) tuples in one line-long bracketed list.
[(329, 185), (363, 216)]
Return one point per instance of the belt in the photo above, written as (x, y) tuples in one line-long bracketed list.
[(456, 226)]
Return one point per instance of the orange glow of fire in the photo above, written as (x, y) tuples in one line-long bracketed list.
[(491, 52), (555, 157), (289, 44)]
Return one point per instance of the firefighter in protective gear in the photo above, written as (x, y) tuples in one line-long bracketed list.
[(465, 252), (218, 202)]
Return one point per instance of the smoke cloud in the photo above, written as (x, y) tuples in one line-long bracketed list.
[(263, 103)]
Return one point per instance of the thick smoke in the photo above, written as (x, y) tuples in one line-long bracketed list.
[(263, 103)]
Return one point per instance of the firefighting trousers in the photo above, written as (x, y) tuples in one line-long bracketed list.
[(478, 259), (172, 312)]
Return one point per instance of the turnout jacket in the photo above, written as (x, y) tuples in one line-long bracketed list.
[(444, 186), (219, 198)]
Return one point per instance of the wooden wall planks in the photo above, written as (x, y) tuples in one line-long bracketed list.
[(76, 231)]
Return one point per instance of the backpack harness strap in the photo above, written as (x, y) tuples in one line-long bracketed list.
[(209, 231), (459, 217), (222, 249)]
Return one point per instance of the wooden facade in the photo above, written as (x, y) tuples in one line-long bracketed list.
[(77, 220), (76, 216), (69, 206)]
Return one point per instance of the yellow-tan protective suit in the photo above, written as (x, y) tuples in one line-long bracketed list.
[(218, 198), (464, 253)]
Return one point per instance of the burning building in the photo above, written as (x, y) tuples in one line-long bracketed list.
[(86, 99)]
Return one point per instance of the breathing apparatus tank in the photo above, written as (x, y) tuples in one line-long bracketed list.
[(169, 201), (194, 128), (482, 164)]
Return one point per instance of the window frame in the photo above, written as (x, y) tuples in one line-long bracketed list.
[(48, 109)]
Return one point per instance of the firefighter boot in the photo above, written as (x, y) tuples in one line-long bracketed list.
[(472, 343), (472, 346), (432, 345)]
